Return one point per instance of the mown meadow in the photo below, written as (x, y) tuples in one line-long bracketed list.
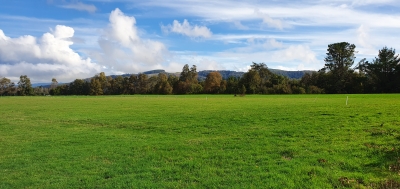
[(200, 141)]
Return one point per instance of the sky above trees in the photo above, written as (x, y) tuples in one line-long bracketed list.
[(69, 39)]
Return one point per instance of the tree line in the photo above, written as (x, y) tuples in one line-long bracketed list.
[(339, 75)]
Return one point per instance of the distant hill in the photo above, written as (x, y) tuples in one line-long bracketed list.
[(149, 73), (45, 85), (291, 74), (201, 75), (227, 73)]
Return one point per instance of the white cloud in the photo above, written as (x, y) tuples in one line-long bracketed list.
[(189, 30), (295, 13), (272, 43), (364, 40), (124, 50), (290, 57), (309, 26), (45, 57), (300, 53), (274, 23), (80, 7), (255, 44), (240, 26), (370, 2)]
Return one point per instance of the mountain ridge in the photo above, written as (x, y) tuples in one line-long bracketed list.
[(201, 74)]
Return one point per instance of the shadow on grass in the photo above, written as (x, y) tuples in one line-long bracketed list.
[(388, 158)]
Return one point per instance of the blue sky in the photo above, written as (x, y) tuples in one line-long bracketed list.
[(70, 39)]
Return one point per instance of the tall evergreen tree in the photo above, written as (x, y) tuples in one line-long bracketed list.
[(383, 72), (338, 61)]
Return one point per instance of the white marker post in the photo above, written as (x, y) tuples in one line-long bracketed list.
[(347, 100)]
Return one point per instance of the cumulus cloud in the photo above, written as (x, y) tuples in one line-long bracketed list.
[(365, 41), (122, 49), (187, 29), (301, 53), (80, 7), (45, 57)]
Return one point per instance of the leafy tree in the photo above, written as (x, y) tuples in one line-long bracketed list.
[(298, 90), (185, 74), (163, 86), (222, 87), (95, 87), (310, 82), (251, 80), (340, 57), (40, 91), (189, 75), (213, 82), (77, 87), (232, 84), (151, 83), (338, 61), (142, 84), (173, 80), (130, 85), (25, 86), (12, 90), (104, 82), (5, 83), (242, 90), (263, 72), (117, 85), (188, 82), (281, 89), (383, 72), (54, 83)]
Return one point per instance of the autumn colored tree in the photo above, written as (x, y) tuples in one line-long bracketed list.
[(212, 83)]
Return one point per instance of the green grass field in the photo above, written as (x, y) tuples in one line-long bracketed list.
[(200, 141)]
